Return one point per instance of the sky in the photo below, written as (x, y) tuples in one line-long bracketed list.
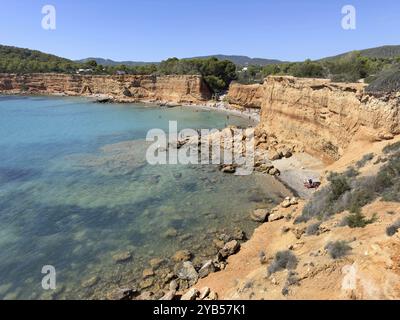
[(153, 30)]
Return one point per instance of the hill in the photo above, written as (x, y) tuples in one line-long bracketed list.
[(241, 60), (238, 60), (109, 62), (378, 52), (13, 59)]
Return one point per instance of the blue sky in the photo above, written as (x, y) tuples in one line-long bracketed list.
[(151, 30)]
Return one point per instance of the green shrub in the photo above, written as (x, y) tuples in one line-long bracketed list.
[(358, 220), (392, 229), (283, 260), (337, 249), (393, 147), (351, 172), (313, 228), (339, 185), (361, 163)]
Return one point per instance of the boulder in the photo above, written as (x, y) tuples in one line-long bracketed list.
[(264, 167), (173, 285), (147, 273), (204, 293), (228, 169), (218, 243), (238, 234), (191, 294), (274, 155), (293, 201), (274, 172), (156, 262), (285, 203), (275, 216), (212, 295), (229, 248), (147, 295), (170, 295), (146, 283), (207, 268), (188, 272), (259, 215), (286, 152)]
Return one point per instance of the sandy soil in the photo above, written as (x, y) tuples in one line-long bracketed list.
[(371, 269)]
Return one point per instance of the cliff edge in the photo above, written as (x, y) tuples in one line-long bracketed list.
[(124, 88)]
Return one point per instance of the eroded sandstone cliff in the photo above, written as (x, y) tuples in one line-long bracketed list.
[(171, 89), (322, 117), (245, 96)]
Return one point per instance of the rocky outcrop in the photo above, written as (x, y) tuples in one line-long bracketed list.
[(245, 96), (124, 88)]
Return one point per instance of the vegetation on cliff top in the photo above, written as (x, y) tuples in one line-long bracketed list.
[(378, 66), (347, 68), (218, 74)]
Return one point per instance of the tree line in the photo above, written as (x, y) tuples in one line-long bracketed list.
[(349, 68)]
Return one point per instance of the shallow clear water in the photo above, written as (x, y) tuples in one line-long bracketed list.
[(75, 190)]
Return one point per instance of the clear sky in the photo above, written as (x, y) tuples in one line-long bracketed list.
[(151, 30)]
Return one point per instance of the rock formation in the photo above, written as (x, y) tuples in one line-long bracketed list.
[(317, 115), (125, 88), (245, 96)]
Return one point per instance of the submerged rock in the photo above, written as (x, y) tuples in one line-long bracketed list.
[(156, 262), (182, 255), (146, 283), (148, 273), (91, 282), (171, 233), (122, 257)]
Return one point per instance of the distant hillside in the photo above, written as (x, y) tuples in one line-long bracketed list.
[(378, 52), (13, 59), (109, 62), (238, 60), (8, 52), (242, 60)]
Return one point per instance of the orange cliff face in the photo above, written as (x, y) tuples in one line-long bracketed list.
[(316, 115), (245, 96), (125, 88)]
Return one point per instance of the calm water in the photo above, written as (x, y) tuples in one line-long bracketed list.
[(75, 190)]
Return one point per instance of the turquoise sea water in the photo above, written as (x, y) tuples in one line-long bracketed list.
[(75, 190)]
